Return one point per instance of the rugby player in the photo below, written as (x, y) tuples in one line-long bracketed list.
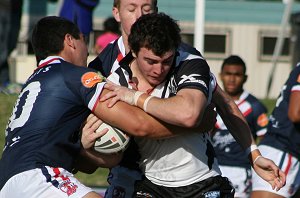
[(233, 161)]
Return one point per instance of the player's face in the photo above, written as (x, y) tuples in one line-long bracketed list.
[(154, 68), (233, 79), (129, 11), (81, 55)]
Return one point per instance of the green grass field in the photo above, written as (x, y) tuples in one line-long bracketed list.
[(96, 179)]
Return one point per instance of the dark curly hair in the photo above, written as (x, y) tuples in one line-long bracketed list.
[(234, 60), (48, 36), (157, 32)]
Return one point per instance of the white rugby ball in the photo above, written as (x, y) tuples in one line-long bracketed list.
[(113, 141)]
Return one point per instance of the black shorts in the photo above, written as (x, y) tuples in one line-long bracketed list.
[(213, 187)]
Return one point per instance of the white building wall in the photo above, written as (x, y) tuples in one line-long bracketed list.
[(245, 43)]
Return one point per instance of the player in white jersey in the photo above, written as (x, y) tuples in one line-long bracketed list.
[(158, 66)]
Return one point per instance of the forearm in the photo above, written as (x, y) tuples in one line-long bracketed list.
[(233, 119), (91, 158), (134, 120), (238, 127), (185, 109)]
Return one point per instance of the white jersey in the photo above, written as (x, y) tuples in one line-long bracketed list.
[(180, 160), (185, 159)]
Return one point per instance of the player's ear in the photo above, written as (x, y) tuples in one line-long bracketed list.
[(220, 75), (115, 12), (69, 40), (245, 78)]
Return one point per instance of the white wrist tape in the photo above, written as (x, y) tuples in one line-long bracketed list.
[(257, 159), (146, 103), (136, 96), (251, 148)]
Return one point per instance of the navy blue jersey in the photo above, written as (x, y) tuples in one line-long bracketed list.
[(44, 126), (228, 151), (282, 133)]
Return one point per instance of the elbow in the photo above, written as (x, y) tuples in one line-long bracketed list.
[(188, 119), (115, 159), (145, 130), (140, 128)]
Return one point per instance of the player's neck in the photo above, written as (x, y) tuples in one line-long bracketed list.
[(139, 80), (125, 42), (236, 96)]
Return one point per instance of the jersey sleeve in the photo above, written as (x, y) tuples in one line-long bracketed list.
[(194, 74), (87, 84)]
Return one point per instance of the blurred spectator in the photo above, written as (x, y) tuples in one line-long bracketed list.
[(10, 17), (111, 33), (232, 159), (81, 13)]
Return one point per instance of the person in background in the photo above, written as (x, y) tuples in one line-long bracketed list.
[(233, 161), (110, 33), (10, 17), (81, 13), (281, 143)]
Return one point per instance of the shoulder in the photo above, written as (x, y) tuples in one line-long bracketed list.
[(104, 61), (256, 103), (192, 62)]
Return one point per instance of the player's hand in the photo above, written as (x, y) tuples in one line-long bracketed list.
[(268, 170), (117, 93), (89, 135)]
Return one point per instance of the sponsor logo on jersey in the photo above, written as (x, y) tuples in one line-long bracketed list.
[(192, 79), (262, 120), (90, 79)]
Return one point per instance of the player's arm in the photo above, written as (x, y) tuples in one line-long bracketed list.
[(238, 127), (135, 121), (89, 160), (186, 109), (233, 118), (294, 107)]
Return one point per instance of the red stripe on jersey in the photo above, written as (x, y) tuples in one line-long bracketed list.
[(46, 63), (120, 56), (96, 103), (245, 108), (289, 164)]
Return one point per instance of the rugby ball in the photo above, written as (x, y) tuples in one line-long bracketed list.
[(113, 141)]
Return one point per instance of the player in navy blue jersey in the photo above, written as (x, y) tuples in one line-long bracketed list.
[(282, 140), (185, 163), (42, 144), (233, 161)]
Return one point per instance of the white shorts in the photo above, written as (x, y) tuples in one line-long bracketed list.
[(45, 182), (121, 182), (240, 178), (287, 163)]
